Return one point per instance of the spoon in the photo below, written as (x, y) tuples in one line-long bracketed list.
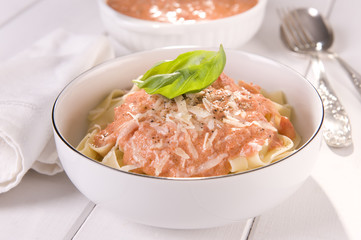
[(297, 32), (322, 36)]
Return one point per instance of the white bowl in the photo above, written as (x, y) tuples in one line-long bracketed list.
[(191, 202), (137, 34)]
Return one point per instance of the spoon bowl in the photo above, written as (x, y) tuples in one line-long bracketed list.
[(317, 27), (314, 33)]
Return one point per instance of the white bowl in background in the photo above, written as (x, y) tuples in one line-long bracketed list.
[(190, 202), (136, 34)]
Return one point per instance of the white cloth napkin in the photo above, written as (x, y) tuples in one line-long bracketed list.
[(29, 84)]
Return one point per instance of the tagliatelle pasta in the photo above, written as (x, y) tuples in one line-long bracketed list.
[(225, 128)]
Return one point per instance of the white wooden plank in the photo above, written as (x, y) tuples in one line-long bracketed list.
[(103, 224), (340, 179), (42, 207), (338, 171), (10, 9), (78, 16), (248, 228), (308, 214), (332, 208)]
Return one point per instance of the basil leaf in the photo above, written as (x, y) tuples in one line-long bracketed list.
[(190, 72)]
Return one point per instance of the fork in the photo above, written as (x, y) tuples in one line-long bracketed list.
[(337, 127)]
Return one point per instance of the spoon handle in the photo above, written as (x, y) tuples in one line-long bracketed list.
[(354, 75), (337, 127)]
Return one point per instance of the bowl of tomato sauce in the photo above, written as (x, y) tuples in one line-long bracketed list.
[(199, 200), (141, 24)]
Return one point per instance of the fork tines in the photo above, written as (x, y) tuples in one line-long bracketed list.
[(293, 31)]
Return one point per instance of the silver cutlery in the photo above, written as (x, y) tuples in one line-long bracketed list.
[(297, 33), (322, 37)]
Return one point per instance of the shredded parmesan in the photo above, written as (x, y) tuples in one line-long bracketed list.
[(234, 123), (213, 161), (126, 128), (211, 139), (191, 148), (198, 111), (232, 104), (136, 154), (210, 124), (255, 146), (207, 104), (265, 125), (205, 141), (208, 141), (180, 152), (163, 130), (181, 104), (158, 103)]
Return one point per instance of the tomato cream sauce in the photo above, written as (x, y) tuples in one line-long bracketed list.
[(178, 11), (194, 134)]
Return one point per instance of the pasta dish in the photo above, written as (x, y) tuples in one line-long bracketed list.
[(225, 128)]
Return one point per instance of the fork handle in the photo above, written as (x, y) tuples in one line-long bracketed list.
[(353, 74), (337, 127)]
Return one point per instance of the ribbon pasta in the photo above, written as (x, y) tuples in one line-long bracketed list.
[(184, 121)]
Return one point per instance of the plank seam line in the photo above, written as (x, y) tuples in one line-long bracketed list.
[(78, 224), (21, 11), (248, 229)]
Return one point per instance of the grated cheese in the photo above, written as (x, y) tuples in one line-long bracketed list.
[(205, 141), (213, 161), (198, 111), (191, 148), (207, 104), (180, 152), (211, 139)]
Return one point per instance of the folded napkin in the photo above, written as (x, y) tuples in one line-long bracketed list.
[(29, 84)]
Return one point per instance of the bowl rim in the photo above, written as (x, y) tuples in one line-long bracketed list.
[(137, 22), (111, 61)]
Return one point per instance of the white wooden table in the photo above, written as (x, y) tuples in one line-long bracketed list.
[(328, 206)]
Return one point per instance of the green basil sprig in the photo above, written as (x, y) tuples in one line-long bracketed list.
[(190, 72)]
